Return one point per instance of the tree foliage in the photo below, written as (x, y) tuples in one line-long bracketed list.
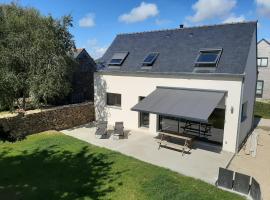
[(35, 56)]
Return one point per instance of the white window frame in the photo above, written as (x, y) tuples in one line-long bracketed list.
[(260, 61), (261, 89)]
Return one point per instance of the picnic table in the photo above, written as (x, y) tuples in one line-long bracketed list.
[(202, 129), (165, 141)]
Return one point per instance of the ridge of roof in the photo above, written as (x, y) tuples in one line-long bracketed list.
[(192, 27), (263, 39)]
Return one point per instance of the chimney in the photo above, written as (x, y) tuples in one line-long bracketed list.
[(181, 26)]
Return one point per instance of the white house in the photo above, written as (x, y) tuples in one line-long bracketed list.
[(200, 80), (263, 82)]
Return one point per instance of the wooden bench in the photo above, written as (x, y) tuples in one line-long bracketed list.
[(188, 140)]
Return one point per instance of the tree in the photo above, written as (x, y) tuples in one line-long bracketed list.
[(35, 56)]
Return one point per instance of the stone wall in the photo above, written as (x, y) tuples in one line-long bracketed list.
[(56, 118)]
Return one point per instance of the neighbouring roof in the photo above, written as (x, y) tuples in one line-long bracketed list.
[(264, 41), (77, 52), (178, 48)]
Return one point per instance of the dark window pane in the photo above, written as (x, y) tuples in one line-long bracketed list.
[(116, 61), (144, 119), (113, 99), (244, 111), (208, 57), (150, 58)]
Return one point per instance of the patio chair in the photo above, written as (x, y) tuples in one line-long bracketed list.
[(118, 130), (101, 130)]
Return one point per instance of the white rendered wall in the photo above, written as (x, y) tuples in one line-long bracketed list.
[(131, 87)]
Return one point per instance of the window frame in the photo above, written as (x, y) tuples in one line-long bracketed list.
[(202, 64), (149, 64), (118, 64), (261, 58), (115, 99), (259, 95)]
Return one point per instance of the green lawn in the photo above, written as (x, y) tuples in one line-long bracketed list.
[(262, 110), (52, 166)]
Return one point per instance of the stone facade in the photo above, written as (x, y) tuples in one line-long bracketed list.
[(264, 72), (56, 118)]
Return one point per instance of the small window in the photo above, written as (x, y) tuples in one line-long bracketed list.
[(114, 99), (259, 88), (262, 62), (118, 58), (150, 59), (244, 111), (208, 58)]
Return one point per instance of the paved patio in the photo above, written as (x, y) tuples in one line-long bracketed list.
[(202, 162)]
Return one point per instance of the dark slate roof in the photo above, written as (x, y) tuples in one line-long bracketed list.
[(179, 48)]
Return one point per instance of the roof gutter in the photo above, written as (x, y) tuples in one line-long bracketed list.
[(173, 74)]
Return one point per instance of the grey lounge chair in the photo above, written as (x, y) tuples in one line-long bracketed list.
[(101, 130), (118, 130)]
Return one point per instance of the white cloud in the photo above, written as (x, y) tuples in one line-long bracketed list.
[(87, 21), (162, 22), (234, 18), (95, 49), (140, 13), (263, 7), (208, 9)]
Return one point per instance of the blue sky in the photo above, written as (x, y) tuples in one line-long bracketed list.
[(96, 23)]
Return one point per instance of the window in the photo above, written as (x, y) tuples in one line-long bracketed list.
[(259, 89), (113, 99), (208, 58), (143, 117), (150, 59), (262, 62), (244, 111), (118, 58)]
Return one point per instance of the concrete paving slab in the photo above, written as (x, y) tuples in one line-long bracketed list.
[(202, 162), (258, 167)]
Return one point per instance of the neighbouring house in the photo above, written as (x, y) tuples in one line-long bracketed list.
[(200, 80), (83, 78), (263, 82)]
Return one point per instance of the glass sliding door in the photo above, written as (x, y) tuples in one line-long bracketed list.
[(168, 124)]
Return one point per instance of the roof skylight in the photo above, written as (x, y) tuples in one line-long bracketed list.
[(150, 59), (208, 57), (118, 58)]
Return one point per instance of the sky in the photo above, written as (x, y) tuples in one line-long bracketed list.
[(97, 22)]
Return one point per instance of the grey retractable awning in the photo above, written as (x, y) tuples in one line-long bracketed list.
[(185, 103)]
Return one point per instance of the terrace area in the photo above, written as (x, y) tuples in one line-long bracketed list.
[(202, 162)]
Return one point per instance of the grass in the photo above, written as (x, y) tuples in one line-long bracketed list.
[(51, 165), (262, 110)]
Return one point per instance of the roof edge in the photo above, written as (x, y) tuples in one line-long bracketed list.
[(263, 39), (192, 27), (172, 74)]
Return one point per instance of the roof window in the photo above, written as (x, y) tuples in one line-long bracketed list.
[(208, 58), (150, 59), (118, 58)]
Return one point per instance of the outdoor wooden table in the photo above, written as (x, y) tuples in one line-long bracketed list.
[(188, 140)]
